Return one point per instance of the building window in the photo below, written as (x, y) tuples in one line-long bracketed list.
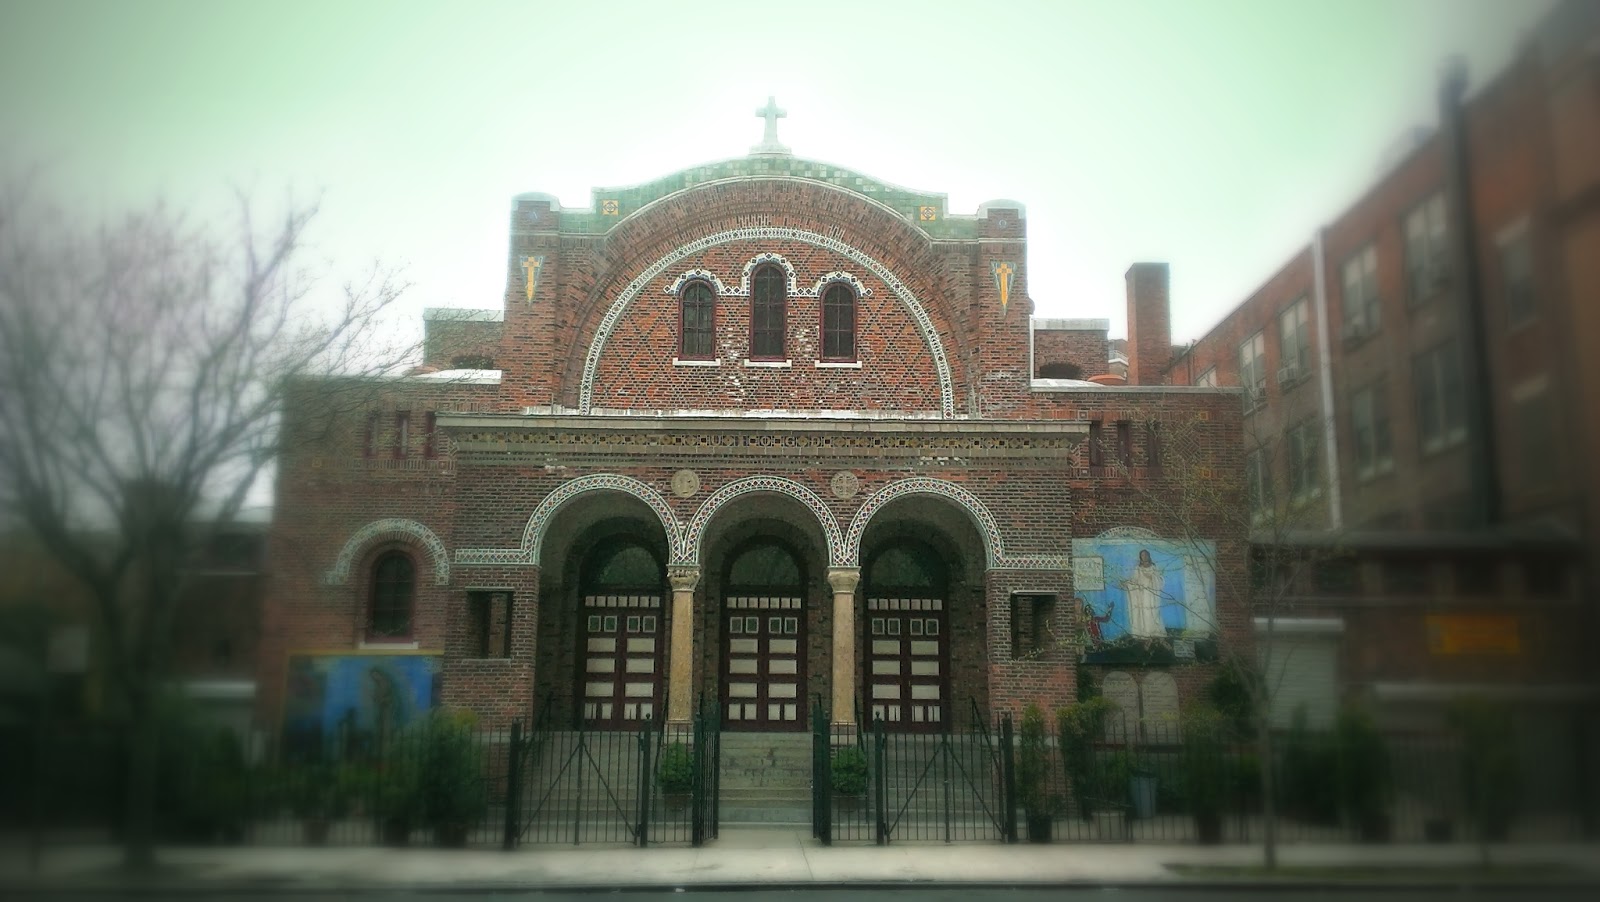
[(1336, 576), (1545, 577), (1478, 576), (430, 442), (1124, 445), (1208, 378), (1294, 346), (1258, 481), (402, 433), (1369, 429), (1152, 445), (1253, 370), (839, 323), (1441, 407), (768, 303), (1516, 278), (1305, 471), (1426, 252), (1542, 462), (1030, 624), (1097, 456), (1407, 576), (369, 436), (1361, 311), (697, 316), (393, 590)]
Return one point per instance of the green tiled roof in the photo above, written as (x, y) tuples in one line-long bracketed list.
[(906, 202)]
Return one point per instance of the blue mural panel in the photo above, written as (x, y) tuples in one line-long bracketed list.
[(1143, 599), (356, 701)]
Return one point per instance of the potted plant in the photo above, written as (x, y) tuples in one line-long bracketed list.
[(452, 794), (849, 774), (1364, 777), (1204, 772), (675, 776), (1033, 775), (1488, 765)]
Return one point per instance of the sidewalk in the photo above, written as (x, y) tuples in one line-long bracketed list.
[(756, 856)]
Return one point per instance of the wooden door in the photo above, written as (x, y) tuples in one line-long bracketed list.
[(624, 659), (763, 669), (907, 663)]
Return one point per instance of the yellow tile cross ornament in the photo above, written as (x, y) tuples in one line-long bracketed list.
[(530, 273), (1004, 272)]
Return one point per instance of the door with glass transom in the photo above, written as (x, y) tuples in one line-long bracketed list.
[(623, 651), (763, 626), (907, 642)]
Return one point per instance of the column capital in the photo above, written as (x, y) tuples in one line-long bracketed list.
[(683, 579), (844, 579)]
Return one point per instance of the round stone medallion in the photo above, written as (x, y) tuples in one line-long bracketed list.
[(844, 484), (685, 483)]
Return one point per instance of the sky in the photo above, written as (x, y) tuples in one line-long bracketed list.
[(1216, 135)]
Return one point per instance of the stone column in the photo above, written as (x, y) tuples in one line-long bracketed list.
[(844, 580), (680, 678)]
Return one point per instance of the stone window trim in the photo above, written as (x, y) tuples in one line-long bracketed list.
[(694, 295), (714, 362), (762, 363), (837, 364)]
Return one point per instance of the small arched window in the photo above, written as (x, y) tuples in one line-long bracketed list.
[(768, 306), (394, 588), (839, 323), (697, 316)]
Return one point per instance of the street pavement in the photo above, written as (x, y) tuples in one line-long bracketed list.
[(764, 858)]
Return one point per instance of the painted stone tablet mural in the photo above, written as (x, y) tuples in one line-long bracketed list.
[(1143, 599)]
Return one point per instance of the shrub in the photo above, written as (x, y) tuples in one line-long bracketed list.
[(1078, 727), (1363, 774), (849, 771), (1488, 764), (1204, 769), (1033, 763), (450, 783), (675, 772)]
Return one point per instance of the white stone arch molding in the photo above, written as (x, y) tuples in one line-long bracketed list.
[(696, 529), (391, 529), (919, 314), (994, 548), (527, 554)]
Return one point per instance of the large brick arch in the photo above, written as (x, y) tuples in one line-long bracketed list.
[(988, 526), (914, 265), (695, 529), (533, 534), (391, 529)]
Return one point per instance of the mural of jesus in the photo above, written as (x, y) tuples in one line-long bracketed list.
[(1144, 590)]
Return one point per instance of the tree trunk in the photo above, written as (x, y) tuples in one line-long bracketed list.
[(1269, 802), (138, 816)]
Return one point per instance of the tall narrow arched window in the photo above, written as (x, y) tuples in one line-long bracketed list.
[(768, 303), (697, 317), (838, 323), (394, 588)]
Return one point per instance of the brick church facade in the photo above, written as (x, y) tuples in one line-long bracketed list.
[(759, 432)]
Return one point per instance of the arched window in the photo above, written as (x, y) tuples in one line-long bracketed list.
[(394, 588), (764, 567), (697, 316), (839, 323), (768, 303)]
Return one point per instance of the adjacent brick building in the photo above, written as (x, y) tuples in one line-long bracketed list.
[(1420, 398), (756, 433)]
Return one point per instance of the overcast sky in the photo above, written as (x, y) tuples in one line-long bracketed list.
[(1213, 135)]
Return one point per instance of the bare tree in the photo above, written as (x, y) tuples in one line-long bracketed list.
[(142, 369)]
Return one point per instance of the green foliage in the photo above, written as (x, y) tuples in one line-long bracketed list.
[(318, 792), (1344, 772), (1205, 769), (203, 785), (1078, 727), (1307, 780), (1088, 685), (1488, 764), (1033, 763), (675, 772), (450, 781), (1364, 774), (849, 771), (1233, 694)]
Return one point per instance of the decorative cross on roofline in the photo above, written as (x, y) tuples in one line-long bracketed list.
[(769, 140)]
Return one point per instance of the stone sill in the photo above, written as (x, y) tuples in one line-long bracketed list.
[(681, 362), (769, 364), (837, 364)]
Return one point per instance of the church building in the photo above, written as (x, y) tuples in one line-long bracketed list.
[(756, 434)]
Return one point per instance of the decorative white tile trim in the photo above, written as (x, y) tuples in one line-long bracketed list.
[(769, 364), (837, 364), (390, 529), (715, 361), (930, 336), (827, 279), (988, 527), (696, 527), (702, 274), (533, 535), (1128, 532), (756, 261)]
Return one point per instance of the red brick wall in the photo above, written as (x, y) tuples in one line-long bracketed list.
[(1149, 323), (1085, 348)]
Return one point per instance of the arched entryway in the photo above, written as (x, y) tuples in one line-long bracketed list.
[(906, 668), (763, 627)]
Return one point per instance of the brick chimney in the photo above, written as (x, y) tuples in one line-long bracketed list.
[(1149, 323)]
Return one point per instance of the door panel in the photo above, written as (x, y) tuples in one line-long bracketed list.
[(906, 663), (623, 655), (763, 672)]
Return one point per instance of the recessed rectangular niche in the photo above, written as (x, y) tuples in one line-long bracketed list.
[(1032, 616)]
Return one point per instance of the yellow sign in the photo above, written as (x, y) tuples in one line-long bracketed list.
[(1474, 634)]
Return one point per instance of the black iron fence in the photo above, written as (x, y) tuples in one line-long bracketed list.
[(1123, 782)]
